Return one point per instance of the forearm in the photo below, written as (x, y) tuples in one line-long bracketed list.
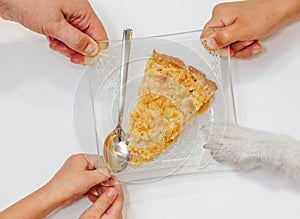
[(288, 11), (292, 10), (36, 205)]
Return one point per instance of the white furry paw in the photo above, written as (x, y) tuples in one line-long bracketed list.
[(237, 147), (250, 148)]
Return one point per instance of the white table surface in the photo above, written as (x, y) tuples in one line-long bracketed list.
[(36, 128)]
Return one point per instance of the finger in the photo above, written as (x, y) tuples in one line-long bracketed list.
[(227, 51), (98, 209), (86, 21), (223, 37), (92, 197), (98, 175), (210, 28), (240, 45), (111, 182), (249, 51), (97, 163), (96, 29), (216, 22), (77, 58), (61, 48), (75, 39), (222, 24), (94, 160), (95, 192), (58, 46), (230, 33), (116, 208)]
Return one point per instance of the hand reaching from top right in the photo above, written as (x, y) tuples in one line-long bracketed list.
[(242, 25)]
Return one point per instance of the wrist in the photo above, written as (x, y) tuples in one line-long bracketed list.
[(48, 200), (5, 6), (289, 11), (37, 205), (60, 194), (55, 197)]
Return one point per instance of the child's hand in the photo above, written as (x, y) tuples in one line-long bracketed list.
[(108, 204), (76, 178)]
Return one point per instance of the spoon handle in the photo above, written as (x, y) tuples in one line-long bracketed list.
[(126, 43)]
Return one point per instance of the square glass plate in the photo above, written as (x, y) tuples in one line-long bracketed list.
[(96, 99)]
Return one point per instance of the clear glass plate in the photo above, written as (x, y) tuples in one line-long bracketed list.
[(99, 88)]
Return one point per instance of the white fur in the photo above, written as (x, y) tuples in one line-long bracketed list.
[(250, 148)]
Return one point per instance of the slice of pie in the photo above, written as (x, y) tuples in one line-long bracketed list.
[(170, 96)]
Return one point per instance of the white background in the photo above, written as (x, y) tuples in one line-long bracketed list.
[(36, 129)]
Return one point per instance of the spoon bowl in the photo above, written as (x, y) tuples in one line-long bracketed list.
[(116, 155)]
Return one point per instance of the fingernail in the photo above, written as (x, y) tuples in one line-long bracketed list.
[(112, 181), (254, 52), (211, 43), (111, 192), (104, 171), (256, 49), (224, 52), (91, 49)]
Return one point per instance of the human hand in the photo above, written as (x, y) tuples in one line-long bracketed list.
[(106, 204), (242, 25), (72, 27), (76, 178)]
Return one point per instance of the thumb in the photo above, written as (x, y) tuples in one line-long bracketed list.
[(223, 37), (75, 39), (98, 176), (98, 209)]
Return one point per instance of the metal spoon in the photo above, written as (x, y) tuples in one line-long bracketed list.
[(116, 154)]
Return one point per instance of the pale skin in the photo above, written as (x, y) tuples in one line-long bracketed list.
[(243, 25), (76, 179), (72, 27)]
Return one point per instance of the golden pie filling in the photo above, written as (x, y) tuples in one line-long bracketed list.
[(170, 96), (155, 123)]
